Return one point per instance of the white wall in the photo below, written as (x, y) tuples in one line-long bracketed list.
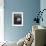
[(1, 20)]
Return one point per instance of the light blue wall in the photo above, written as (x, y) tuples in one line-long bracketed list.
[(43, 6), (28, 7)]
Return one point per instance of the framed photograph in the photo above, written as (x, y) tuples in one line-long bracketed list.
[(17, 19)]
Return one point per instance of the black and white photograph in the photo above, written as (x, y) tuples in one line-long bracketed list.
[(17, 18)]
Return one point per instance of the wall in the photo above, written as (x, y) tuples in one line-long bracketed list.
[(43, 6), (1, 20), (28, 7)]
